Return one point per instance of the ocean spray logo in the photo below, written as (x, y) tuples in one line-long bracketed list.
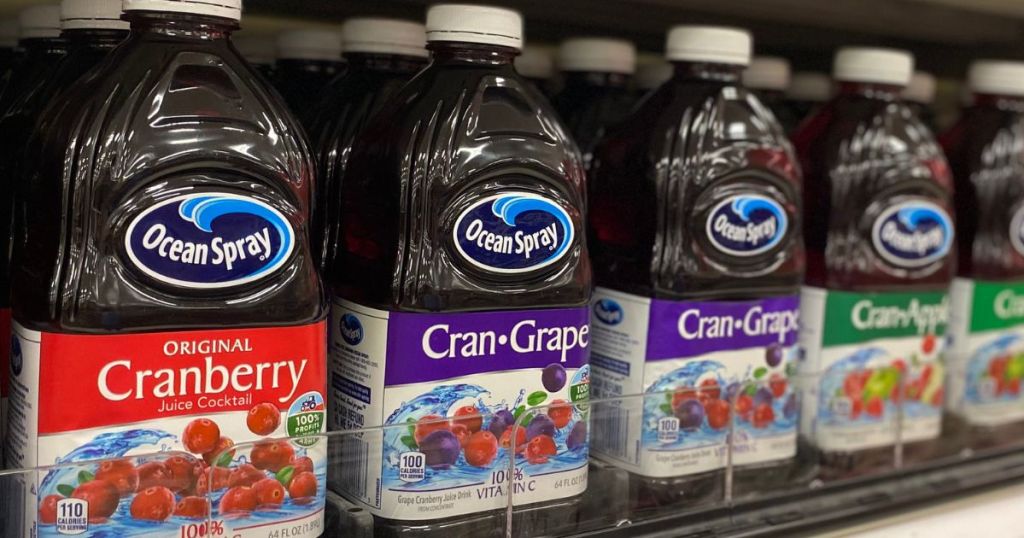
[(913, 234), (351, 329), (514, 232), (747, 225), (209, 240), (1017, 231), (608, 311)]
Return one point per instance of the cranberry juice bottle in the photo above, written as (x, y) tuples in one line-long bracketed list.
[(596, 74), (462, 288), (307, 60), (382, 55), (807, 91), (880, 258), (986, 355), (768, 78), (919, 95), (698, 256), (167, 287)]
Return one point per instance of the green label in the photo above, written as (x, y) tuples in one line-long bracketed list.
[(997, 305), (579, 392), (852, 317), (306, 424)]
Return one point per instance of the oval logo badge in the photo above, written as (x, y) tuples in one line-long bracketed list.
[(747, 225), (1017, 231), (209, 240), (608, 312), (351, 329), (913, 234), (514, 232)]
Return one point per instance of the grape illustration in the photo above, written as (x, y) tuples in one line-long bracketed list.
[(553, 377), (540, 425), (773, 355), (690, 414), (577, 436), (441, 449)]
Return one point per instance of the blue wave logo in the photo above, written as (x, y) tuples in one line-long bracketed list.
[(209, 240), (514, 232), (351, 329), (747, 225), (17, 361), (1017, 231), (608, 312), (913, 234)]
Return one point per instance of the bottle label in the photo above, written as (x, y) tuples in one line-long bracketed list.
[(868, 359), (405, 370), (986, 355), (912, 234), (77, 398), (692, 358), (513, 232), (5, 371), (209, 240), (747, 225)]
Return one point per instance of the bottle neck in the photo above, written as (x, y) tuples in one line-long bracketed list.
[(375, 61), (94, 37), (724, 73), (181, 26), (870, 90), (458, 53), (596, 78), (1013, 103)]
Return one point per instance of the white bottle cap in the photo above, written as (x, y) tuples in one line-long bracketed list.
[(256, 49), (767, 73), (920, 89), (309, 44), (996, 77), (652, 71), (597, 54), (384, 36), (535, 62), (475, 24), (40, 21), (808, 86), (9, 30), (711, 44), (90, 14), (874, 65), (228, 9)]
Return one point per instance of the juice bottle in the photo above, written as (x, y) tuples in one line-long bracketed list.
[(42, 47), (9, 31), (462, 288), (307, 60), (986, 355), (698, 258), (167, 298), (596, 75), (382, 55), (536, 65), (258, 50), (807, 91), (768, 78), (919, 95), (880, 258), (651, 72)]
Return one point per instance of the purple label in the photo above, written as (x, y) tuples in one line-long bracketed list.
[(429, 347), (679, 329)]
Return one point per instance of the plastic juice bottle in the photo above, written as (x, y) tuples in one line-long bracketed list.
[(768, 78), (919, 95), (597, 73), (382, 55), (42, 47), (9, 32), (307, 61), (880, 258), (536, 65), (807, 91), (986, 354), (260, 51), (698, 258), (169, 291), (651, 72), (463, 289)]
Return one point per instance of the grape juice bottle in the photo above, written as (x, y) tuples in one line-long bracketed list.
[(536, 65), (166, 295), (462, 288), (696, 241), (382, 55), (880, 259), (768, 78), (260, 51), (307, 60), (807, 91), (919, 95), (986, 355), (597, 73)]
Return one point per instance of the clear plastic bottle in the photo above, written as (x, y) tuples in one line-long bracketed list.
[(307, 61), (463, 213)]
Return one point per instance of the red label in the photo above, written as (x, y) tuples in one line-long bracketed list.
[(93, 381)]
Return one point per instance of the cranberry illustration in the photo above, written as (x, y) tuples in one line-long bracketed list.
[(153, 504), (560, 413), (269, 493), (193, 508), (272, 455), (481, 449), (263, 419), (121, 473), (102, 497), (302, 490), (201, 436), (154, 473), (48, 509), (245, 475), (429, 424), (469, 416), (238, 500), (223, 444)]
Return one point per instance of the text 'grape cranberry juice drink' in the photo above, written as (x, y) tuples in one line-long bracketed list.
[(463, 288), (986, 356), (168, 290), (768, 78), (596, 74), (307, 60), (382, 55), (695, 225), (880, 258)]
